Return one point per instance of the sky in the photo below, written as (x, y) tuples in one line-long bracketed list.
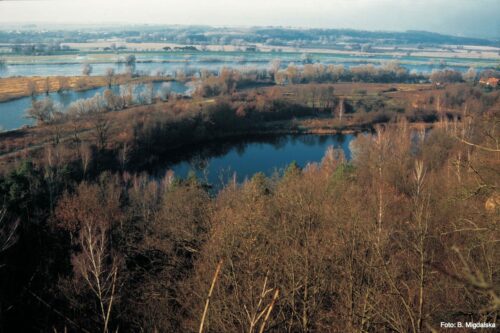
[(477, 18)]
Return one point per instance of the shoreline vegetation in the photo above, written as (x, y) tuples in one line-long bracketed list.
[(109, 123), (313, 126)]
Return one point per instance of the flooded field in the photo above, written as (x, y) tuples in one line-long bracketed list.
[(151, 63)]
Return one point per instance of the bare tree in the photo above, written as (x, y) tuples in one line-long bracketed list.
[(420, 201), (63, 83), (130, 60), (130, 63), (124, 155), (128, 94), (147, 94), (274, 67), (87, 69), (97, 267), (43, 111), (110, 74), (261, 312), (114, 102), (471, 75), (180, 75), (101, 129), (85, 157), (95, 264), (31, 88), (8, 235), (46, 85), (341, 110), (164, 91)]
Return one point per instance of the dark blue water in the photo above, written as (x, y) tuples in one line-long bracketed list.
[(217, 162), (12, 113)]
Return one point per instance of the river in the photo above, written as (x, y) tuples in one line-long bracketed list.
[(13, 113)]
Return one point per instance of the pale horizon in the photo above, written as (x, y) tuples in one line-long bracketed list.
[(460, 18)]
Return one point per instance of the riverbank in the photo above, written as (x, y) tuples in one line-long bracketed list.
[(18, 87), (33, 138), (36, 140)]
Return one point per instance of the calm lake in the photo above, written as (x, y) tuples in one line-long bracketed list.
[(216, 162), (12, 113)]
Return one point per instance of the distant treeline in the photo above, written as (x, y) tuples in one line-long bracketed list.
[(408, 37), (39, 48), (225, 36)]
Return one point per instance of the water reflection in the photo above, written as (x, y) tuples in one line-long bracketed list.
[(218, 161)]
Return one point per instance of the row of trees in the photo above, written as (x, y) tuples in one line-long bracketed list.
[(39, 48), (215, 82), (390, 72), (129, 61), (229, 80), (46, 110)]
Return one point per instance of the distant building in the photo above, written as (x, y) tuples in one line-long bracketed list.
[(490, 82)]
